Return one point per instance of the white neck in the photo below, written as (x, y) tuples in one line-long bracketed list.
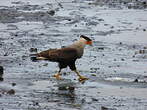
[(79, 46), (80, 43)]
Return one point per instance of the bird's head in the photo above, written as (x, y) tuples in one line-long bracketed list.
[(86, 40)]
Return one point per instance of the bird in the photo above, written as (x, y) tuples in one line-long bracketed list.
[(66, 56)]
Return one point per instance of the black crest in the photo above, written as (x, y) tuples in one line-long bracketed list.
[(86, 38)]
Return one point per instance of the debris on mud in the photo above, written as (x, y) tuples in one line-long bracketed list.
[(51, 12), (12, 15), (105, 108), (33, 50), (11, 92), (66, 85), (136, 4), (13, 84), (70, 88), (7, 92), (1, 70), (1, 73), (136, 80)]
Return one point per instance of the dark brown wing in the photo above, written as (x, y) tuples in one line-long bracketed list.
[(59, 55)]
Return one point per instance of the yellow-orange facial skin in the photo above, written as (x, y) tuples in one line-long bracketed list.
[(89, 42)]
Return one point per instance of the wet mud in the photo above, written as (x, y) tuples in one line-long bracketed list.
[(115, 65)]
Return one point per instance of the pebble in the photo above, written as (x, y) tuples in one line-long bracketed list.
[(51, 12), (1, 70), (104, 108), (1, 73), (13, 84), (93, 74), (11, 92), (33, 50), (66, 88), (136, 80)]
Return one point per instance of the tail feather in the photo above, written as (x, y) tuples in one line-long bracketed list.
[(44, 55), (33, 55)]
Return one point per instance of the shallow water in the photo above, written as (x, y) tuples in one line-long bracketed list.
[(116, 64)]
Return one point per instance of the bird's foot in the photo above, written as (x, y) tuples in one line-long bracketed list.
[(57, 76), (82, 78)]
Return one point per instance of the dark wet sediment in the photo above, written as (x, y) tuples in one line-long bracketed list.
[(115, 65)]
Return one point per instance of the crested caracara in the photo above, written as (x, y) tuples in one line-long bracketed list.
[(66, 56)]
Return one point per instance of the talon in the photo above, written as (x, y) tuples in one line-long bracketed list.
[(57, 76), (82, 78)]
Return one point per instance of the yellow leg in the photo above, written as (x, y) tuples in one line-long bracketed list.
[(58, 75), (81, 78)]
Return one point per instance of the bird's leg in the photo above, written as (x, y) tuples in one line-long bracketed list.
[(57, 76), (81, 78)]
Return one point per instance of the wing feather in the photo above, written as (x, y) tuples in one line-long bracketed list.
[(59, 55)]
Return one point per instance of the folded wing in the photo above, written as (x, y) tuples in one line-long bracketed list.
[(58, 55)]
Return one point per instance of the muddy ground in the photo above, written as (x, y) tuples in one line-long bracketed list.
[(116, 64)]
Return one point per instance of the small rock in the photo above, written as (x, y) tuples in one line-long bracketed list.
[(1, 79), (70, 88), (11, 92), (106, 24), (134, 46), (93, 74), (13, 84), (114, 59), (101, 48), (16, 35), (60, 5), (1, 73), (136, 80), (104, 108), (122, 59), (33, 58), (41, 34), (63, 88), (1, 70), (51, 12), (35, 103), (63, 46), (101, 19), (45, 64), (144, 29), (121, 87), (144, 3), (33, 50), (6, 54), (94, 99), (112, 27), (141, 51), (64, 73)]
